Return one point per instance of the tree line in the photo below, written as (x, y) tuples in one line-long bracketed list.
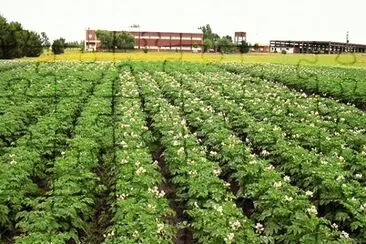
[(225, 44), (59, 45), (16, 42), (115, 40)]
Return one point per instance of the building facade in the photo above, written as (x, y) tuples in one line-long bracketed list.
[(158, 41), (261, 48)]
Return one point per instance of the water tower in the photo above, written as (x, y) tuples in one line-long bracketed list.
[(239, 37)]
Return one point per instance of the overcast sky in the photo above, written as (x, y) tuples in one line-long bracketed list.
[(262, 19)]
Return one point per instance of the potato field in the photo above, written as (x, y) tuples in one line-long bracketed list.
[(180, 152)]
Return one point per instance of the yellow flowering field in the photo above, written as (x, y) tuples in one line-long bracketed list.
[(355, 60)]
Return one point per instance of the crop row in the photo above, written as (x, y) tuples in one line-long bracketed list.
[(256, 99), (342, 204), (213, 215), (339, 119), (19, 111), (30, 96), (24, 167), (63, 208), (140, 209), (104, 153), (282, 212), (347, 85)]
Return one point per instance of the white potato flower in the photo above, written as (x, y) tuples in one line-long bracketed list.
[(312, 210), (259, 228), (277, 184), (309, 193)]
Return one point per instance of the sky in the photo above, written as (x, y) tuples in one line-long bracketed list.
[(263, 20)]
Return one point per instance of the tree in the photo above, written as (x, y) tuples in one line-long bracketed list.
[(256, 46), (228, 37), (207, 44), (58, 46), (33, 47), (74, 44), (124, 41), (206, 31), (244, 47), (15, 42), (225, 45), (82, 45), (63, 41), (45, 41), (112, 40), (106, 39), (3, 36), (209, 35)]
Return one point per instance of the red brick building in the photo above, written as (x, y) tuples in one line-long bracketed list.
[(158, 41)]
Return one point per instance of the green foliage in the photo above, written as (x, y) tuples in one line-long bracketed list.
[(15, 42), (345, 84), (113, 40), (45, 41), (228, 38), (106, 39), (209, 38), (209, 205), (33, 46), (225, 45), (58, 46), (124, 41), (74, 44), (208, 34), (244, 47), (207, 44), (3, 36), (135, 171), (82, 45), (247, 159), (281, 140)]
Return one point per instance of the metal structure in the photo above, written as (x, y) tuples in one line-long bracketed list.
[(239, 37), (327, 47)]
